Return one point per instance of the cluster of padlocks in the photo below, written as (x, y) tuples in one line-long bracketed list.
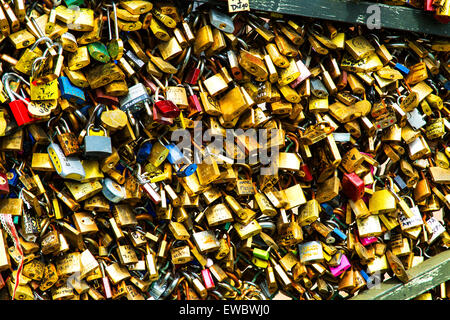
[(331, 175)]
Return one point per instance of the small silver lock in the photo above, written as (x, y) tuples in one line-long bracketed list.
[(112, 191), (310, 252), (97, 146), (136, 99), (416, 119), (221, 21), (137, 63)]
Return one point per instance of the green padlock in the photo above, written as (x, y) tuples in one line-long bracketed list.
[(78, 3), (261, 254), (99, 52)]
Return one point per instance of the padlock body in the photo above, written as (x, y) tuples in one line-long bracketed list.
[(135, 98), (167, 108), (97, 147), (20, 112), (353, 186), (71, 92)]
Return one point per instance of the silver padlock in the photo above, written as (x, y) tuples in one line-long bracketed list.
[(66, 167), (414, 221), (435, 228), (158, 287), (136, 63), (221, 21), (136, 99), (112, 191), (97, 146), (416, 119), (310, 252), (417, 148)]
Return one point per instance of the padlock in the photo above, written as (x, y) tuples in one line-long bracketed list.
[(71, 92), (136, 99), (166, 108), (382, 201), (66, 167), (97, 146), (204, 37), (112, 191), (24, 65), (353, 186), (67, 140), (17, 106)]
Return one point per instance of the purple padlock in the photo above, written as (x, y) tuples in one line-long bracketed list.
[(344, 265)]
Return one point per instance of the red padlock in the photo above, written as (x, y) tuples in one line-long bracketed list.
[(195, 106), (4, 186), (308, 176), (166, 108), (353, 186), (105, 281), (18, 106), (158, 117), (103, 98), (148, 84), (442, 19), (194, 73)]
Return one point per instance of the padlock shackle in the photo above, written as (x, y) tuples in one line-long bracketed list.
[(410, 200), (35, 65), (116, 25), (39, 40), (94, 114), (96, 128), (65, 125), (185, 62), (6, 78), (242, 43)]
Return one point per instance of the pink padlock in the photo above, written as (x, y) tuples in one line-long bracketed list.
[(428, 5), (368, 240), (207, 279), (304, 74), (107, 288), (344, 265)]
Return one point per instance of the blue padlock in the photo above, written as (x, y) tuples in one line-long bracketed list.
[(13, 178), (186, 170), (447, 85), (175, 155), (327, 208), (402, 68), (71, 92), (400, 183), (340, 234), (150, 210), (365, 275), (144, 152), (176, 158)]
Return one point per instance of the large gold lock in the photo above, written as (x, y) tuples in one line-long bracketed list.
[(84, 223), (290, 234), (382, 201), (218, 214), (204, 37), (124, 215)]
